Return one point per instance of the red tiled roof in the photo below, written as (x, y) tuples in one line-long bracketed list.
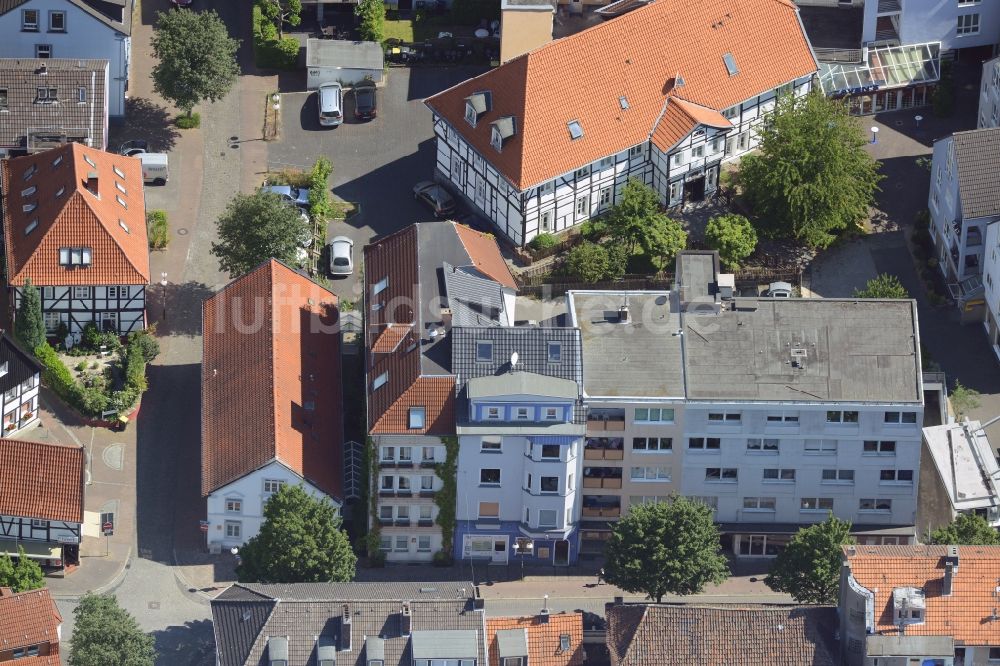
[(271, 383), (654, 635), (391, 337), (30, 618), (636, 56), (75, 218), (680, 118), (485, 255), (41, 480), (544, 648), (963, 615)]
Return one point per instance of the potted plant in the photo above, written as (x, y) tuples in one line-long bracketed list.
[(11, 427)]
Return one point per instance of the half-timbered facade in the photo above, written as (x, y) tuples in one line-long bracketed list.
[(75, 226), (19, 380), (548, 140), (41, 508)]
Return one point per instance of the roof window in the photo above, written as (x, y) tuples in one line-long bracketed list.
[(31, 226), (418, 416), (121, 188), (29, 191), (623, 102), (380, 286), (122, 202), (57, 161), (575, 129), (555, 352), (118, 172), (380, 381), (28, 207), (86, 158), (60, 191), (730, 64), (121, 223), (484, 351), (30, 171)]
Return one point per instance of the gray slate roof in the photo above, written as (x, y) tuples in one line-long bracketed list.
[(474, 299), (530, 343), (247, 615), (115, 14), (977, 156), (20, 365), (69, 118)]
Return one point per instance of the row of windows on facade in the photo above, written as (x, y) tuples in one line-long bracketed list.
[(107, 321), (84, 293), (30, 20), (768, 445), (666, 415), (23, 412), (787, 475), (270, 486), (546, 451), (43, 94), (14, 391), (400, 543), (547, 484), (401, 512), (405, 483), (484, 351)]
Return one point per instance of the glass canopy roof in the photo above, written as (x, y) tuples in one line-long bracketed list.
[(887, 67)]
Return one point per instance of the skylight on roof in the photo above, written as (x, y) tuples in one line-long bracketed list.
[(575, 129), (86, 158), (730, 64), (31, 226), (623, 102), (121, 223)]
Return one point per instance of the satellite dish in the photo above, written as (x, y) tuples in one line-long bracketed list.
[(513, 359)]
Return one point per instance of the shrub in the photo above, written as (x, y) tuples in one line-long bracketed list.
[(319, 195), (443, 559), (589, 262), (93, 400), (543, 242), (157, 229), (91, 337), (56, 375), (81, 366), (188, 122), (922, 220), (733, 236), (269, 51), (145, 344), (594, 230), (135, 369)]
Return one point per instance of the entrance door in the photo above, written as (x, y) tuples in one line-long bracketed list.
[(499, 551), (694, 190), (712, 179), (562, 553)]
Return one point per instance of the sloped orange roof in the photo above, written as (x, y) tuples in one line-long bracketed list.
[(29, 618), (485, 255), (544, 642), (964, 614), (41, 480), (637, 57), (111, 222), (271, 382), (390, 337)]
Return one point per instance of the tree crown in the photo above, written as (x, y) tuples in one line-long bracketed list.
[(256, 227), (809, 566)]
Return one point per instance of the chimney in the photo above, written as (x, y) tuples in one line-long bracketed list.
[(446, 318), (6, 591), (949, 575), (623, 314), (405, 620), (92, 181), (345, 628)]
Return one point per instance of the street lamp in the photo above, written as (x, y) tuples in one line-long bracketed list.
[(917, 120), (874, 134), (163, 296)]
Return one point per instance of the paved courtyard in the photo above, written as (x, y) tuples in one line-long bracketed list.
[(376, 163)]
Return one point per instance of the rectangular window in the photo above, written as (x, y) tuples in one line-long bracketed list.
[(582, 173), (493, 413), (775, 419), (404, 483), (759, 503), (698, 151), (402, 544), (653, 415), (424, 543), (425, 512), (994, 654), (427, 483), (234, 506), (273, 485), (490, 446), (387, 482), (765, 445), (724, 417), (385, 543), (380, 381), (604, 199), (427, 454), (678, 158), (876, 504), (652, 444), (968, 24), (44, 51), (489, 477), (779, 475), (29, 20), (841, 417), (551, 413), (879, 448), (522, 414), (705, 443), (900, 476), (606, 163), (726, 474), (816, 504), (583, 206), (658, 473), (385, 512), (51, 320), (731, 112), (403, 512), (406, 454), (550, 484), (902, 418), (820, 446), (484, 351), (234, 530), (838, 476), (550, 452), (57, 21), (489, 509), (81, 293), (380, 286), (547, 518), (635, 151)]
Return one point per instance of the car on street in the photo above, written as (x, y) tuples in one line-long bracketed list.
[(435, 196), (341, 256), (365, 101), (296, 195), (134, 147), (330, 100)]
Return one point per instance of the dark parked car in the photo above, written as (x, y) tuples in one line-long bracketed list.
[(365, 101), (434, 196)]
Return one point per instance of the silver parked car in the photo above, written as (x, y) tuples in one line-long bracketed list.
[(295, 195), (341, 256), (330, 99), (434, 196)]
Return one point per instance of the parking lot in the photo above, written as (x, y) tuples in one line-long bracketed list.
[(375, 163)]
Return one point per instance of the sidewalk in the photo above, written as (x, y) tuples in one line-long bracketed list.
[(110, 488)]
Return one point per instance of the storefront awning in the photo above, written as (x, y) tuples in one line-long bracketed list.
[(886, 67), (36, 550)]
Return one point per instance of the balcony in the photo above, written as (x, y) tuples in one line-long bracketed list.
[(886, 7), (606, 420), (602, 506), (604, 448), (974, 237), (602, 477)]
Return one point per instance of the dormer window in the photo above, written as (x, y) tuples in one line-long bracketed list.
[(46, 95), (74, 256), (476, 105), (502, 130), (909, 604)]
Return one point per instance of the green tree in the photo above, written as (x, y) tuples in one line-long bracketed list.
[(809, 566), (663, 548), (300, 541), (29, 328), (280, 12), (963, 399), (20, 576), (733, 236), (811, 177), (882, 286), (105, 634), (637, 223), (196, 57), (256, 227), (589, 262), (372, 15), (967, 529)]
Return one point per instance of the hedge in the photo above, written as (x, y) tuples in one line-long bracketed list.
[(269, 52), (157, 229), (57, 376)]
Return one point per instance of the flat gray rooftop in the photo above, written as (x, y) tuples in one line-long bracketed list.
[(637, 358), (966, 464), (802, 349)]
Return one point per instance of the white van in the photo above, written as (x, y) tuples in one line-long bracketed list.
[(330, 101), (154, 168)]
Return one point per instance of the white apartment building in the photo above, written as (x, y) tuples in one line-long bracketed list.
[(963, 203), (792, 408), (667, 119), (989, 95)]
